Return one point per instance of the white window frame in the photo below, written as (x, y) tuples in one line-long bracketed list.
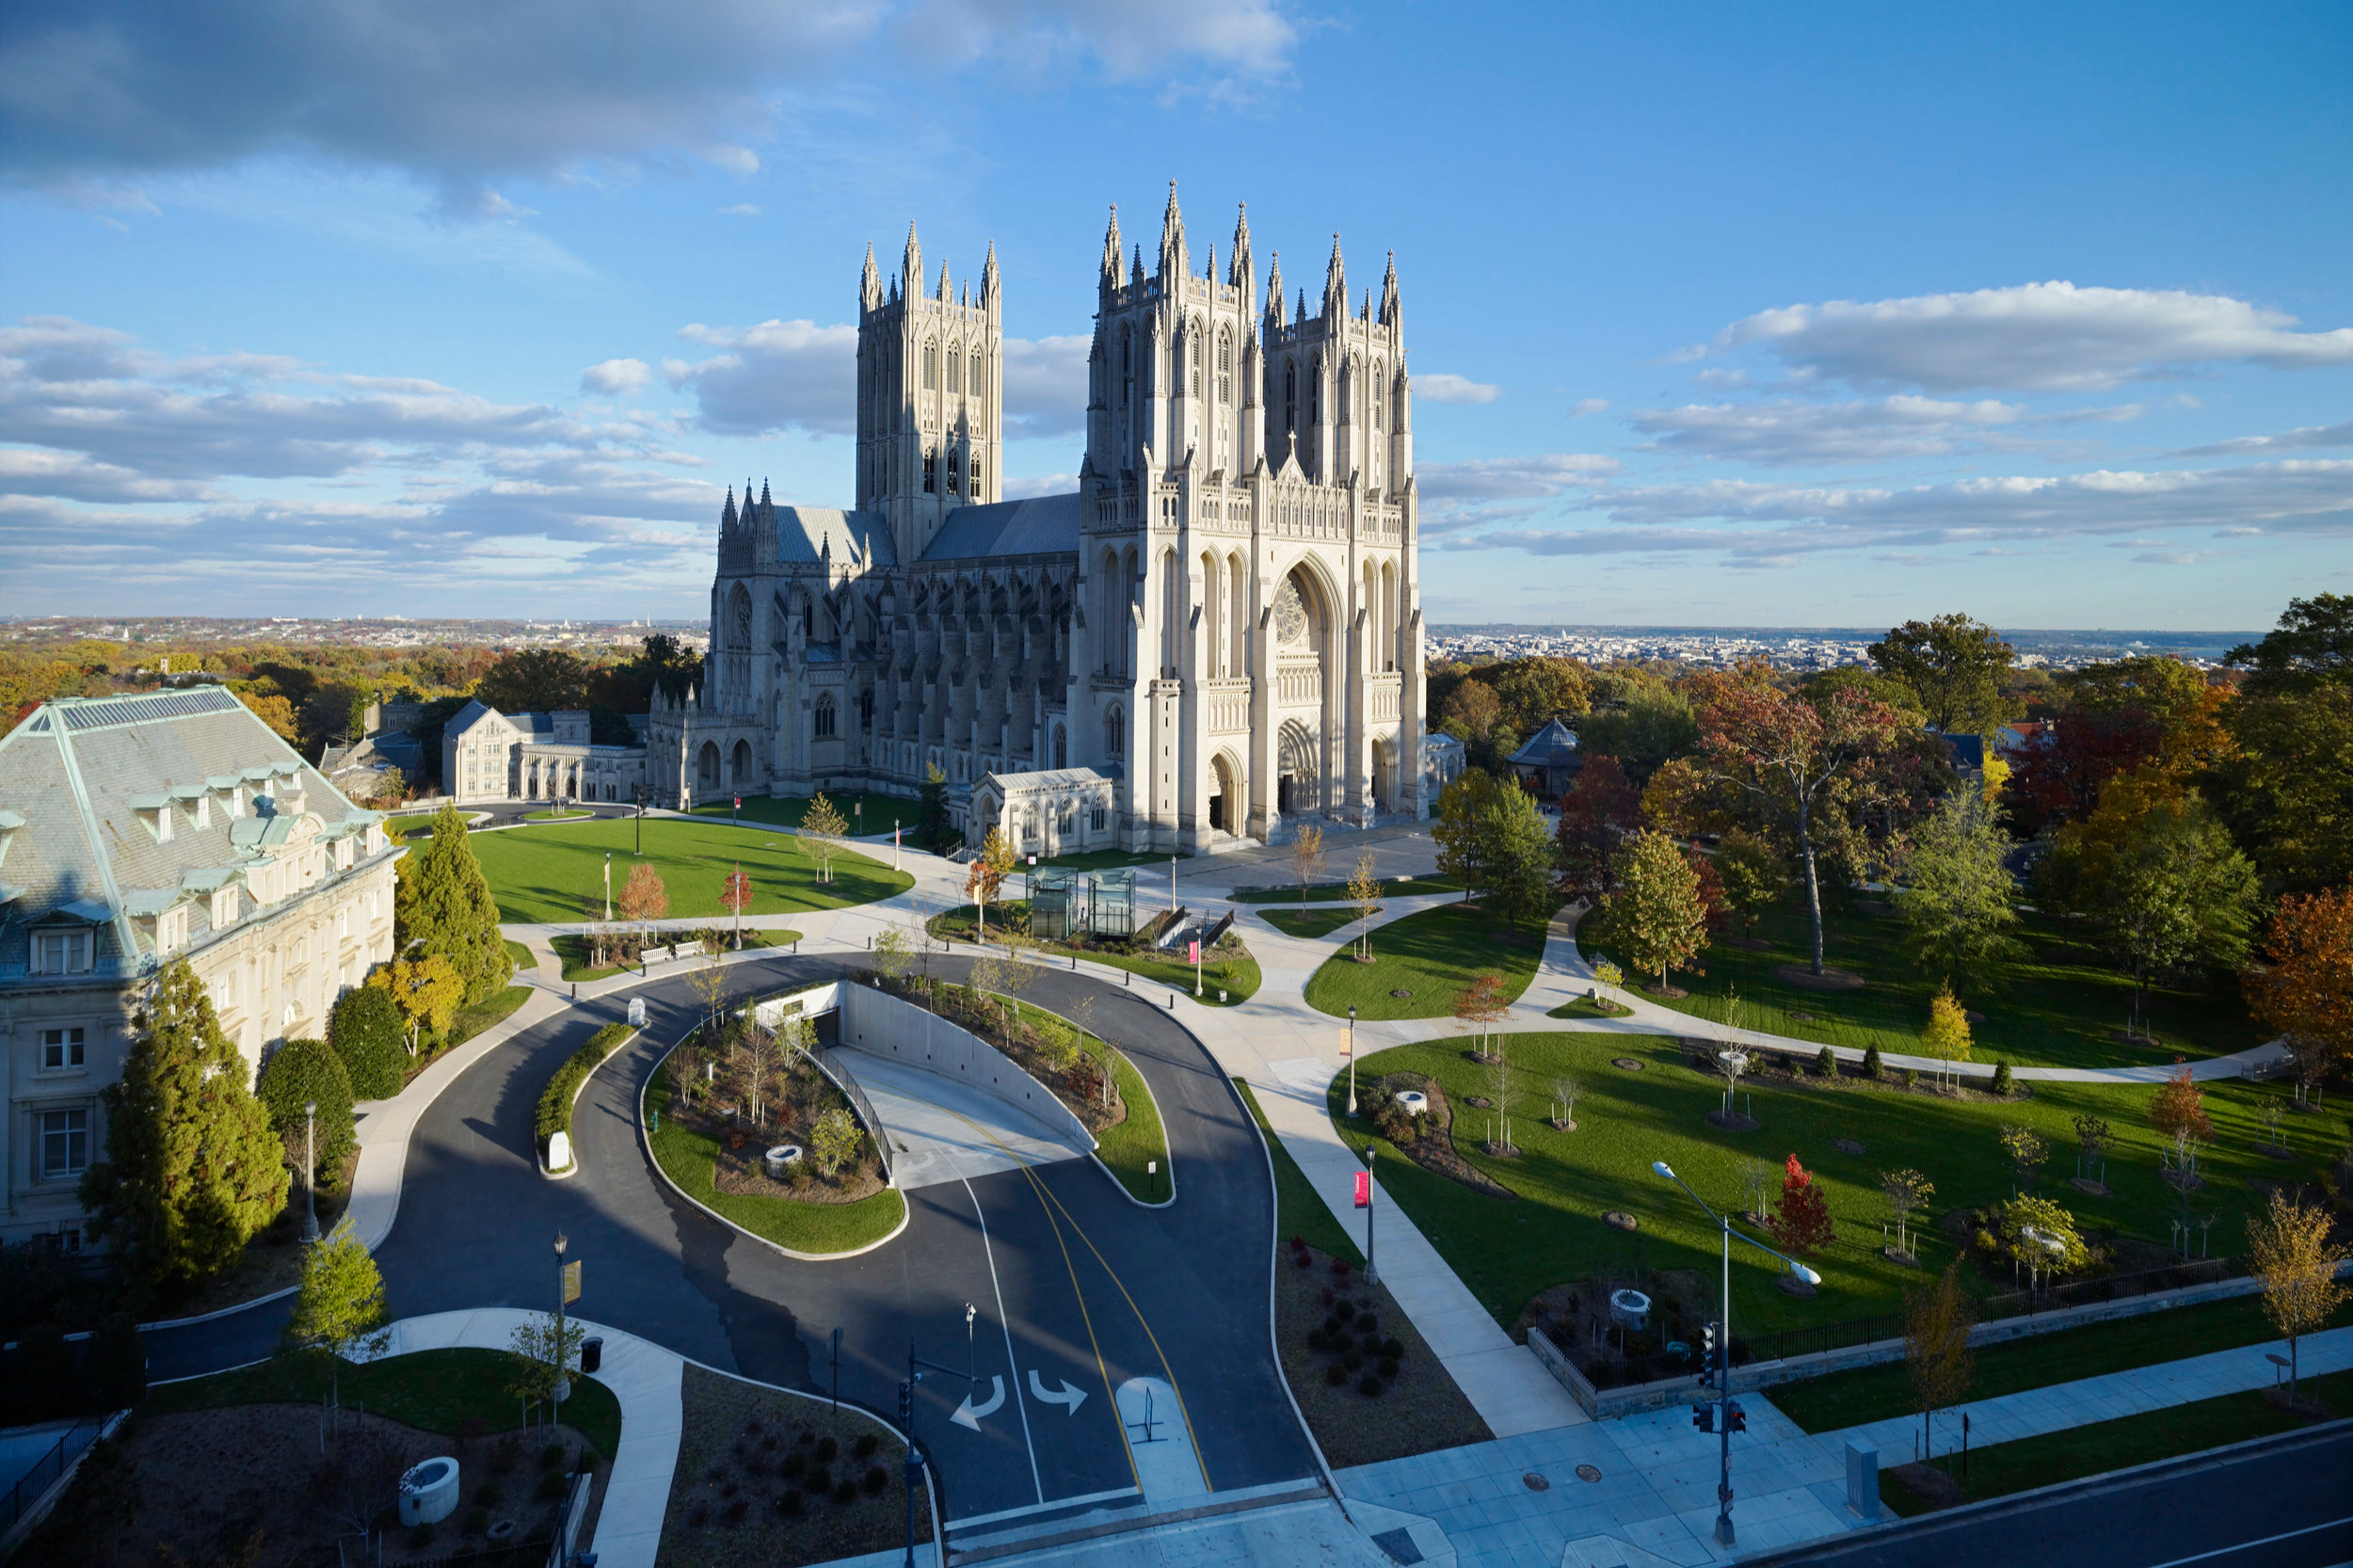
[(66, 1131), (64, 1049), (75, 949)]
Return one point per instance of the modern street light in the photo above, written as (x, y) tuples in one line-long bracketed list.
[(562, 1369), (1726, 1412), (309, 1170), (1352, 1059)]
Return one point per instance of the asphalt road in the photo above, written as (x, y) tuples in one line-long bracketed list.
[(1071, 1281), (2283, 1502)]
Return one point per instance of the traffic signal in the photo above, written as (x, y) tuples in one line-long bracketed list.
[(1707, 1345), (907, 1406), (1704, 1416), (1735, 1418)]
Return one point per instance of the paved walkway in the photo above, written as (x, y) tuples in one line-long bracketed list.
[(646, 1379)]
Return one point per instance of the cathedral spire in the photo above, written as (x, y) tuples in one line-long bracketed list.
[(992, 284), (947, 295), (727, 513), (870, 291), (911, 265), (1335, 285), (1115, 264), (1275, 291), (1173, 262), (1392, 312), (1239, 272)]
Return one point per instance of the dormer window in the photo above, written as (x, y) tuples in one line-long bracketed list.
[(154, 814), (224, 908), (62, 951), (343, 855), (171, 929)]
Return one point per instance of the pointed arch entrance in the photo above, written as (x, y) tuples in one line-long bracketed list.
[(1297, 777)]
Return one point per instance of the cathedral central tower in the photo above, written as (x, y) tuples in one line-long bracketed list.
[(931, 382)]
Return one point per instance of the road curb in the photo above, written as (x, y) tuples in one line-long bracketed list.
[(573, 1169)]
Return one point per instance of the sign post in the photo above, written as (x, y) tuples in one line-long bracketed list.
[(1364, 1200), (1196, 966)]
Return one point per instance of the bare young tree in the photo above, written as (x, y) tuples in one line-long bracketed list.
[(1565, 1089), (1907, 1192), (1502, 1083), (759, 1053), (1756, 1188), (1937, 1322), (708, 981), (1307, 858), (1364, 895), (357, 1482)]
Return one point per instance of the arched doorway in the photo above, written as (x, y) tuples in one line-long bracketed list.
[(1225, 793), (742, 765), (1296, 786), (707, 767), (1383, 774)]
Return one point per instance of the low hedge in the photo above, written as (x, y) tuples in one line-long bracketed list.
[(556, 1100)]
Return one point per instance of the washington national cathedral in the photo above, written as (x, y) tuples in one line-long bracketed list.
[(1216, 636)]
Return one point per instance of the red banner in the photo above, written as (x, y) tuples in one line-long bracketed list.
[(1364, 1189)]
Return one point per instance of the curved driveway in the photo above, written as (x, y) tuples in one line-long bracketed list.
[(1075, 1287)]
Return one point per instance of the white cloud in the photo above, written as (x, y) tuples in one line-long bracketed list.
[(797, 375), (1790, 434), (2305, 437), (741, 209), (103, 92), (1039, 484), (1046, 385), (1511, 478), (1589, 405), (614, 377), (2040, 336), (1440, 387)]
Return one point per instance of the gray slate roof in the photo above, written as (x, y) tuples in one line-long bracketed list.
[(1043, 525), (1554, 746), (72, 773), (805, 533)]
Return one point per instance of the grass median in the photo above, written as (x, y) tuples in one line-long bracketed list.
[(1298, 1211), (555, 876), (691, 1158), (1311, 923), (572, 951), (1235, 973), (1432, 957)]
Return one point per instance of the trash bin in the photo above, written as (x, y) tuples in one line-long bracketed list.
[(591, 1353)]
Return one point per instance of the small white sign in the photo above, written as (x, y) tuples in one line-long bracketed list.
[(637, 1012), (559, 1151)]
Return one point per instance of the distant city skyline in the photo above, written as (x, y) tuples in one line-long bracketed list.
[(1977, 327)]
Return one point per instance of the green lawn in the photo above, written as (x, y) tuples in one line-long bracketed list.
[(471, 1021), (688, 1158), (1507, 1251), (414, 825), (524, 958), (2061, 1008), (2001, 1468), (430, 1390), (1240, 982), (1297, 1209), (1436, 955), (1310, 922), (555, 876), (880, 811), (1585, 1007), (573, 951), (1393, 887), (1875, 1393), (557, 814)]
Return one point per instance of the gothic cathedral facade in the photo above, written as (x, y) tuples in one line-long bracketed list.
[(1216, 636)]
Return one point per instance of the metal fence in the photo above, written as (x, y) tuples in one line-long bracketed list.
[(823, 1056), (34, 1483)]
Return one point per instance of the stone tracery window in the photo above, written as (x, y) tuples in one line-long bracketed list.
[(955, 369), (931, 365), (976, 384), (1195, 343), (1114, 732), (1224, 367), (825, 718)]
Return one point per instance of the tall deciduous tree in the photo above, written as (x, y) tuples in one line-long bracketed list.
[(1955, 898), (426, 989), (2304, 985), (1596, 815), (535, 679), (1754, 877), (2288, 1248), (1802, 765), (193, 1168), (1493, 839), (442, 907), (339, 1306), (1639, 720), (1533, 692), (1657, 916), (1955, 665)]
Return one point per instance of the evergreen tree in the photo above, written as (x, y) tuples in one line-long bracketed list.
[(443, 908), (193, 1168), (932, 806), (366, 1030), (307, 1072)]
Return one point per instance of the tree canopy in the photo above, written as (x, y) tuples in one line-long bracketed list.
[(307, 1072), (442, 907), (535, 679), (1955, 666)]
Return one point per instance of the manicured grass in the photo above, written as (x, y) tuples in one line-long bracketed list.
[(471, 1021), (430, 1390), (1586, 1007), (689, 1158), (1311, 922), (403, 829), (524, 958), (1877, 1393), (573, 951), (1507, 1251), (1436, 955), (555, 876), (1239, 984), (1297, 1209), (1139, 1139), (2001, 1468), (2061, 1008), (1391, 886), (788, 810), (558, 815)]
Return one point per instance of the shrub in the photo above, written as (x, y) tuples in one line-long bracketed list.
[(1367, 1321), (789, 1500), (1912, 1078), (1318, 1339), (364, 1029), (477, 1520), (1352, 1360), (866, 1445), (302, 1071), (1826, 1064), (1335, 1374), (551, 1486), (1393, 1348), (820, 1481), (1871, 1062), (845, 1491), (556, 1100), (2001, 1078), (876, 1478), (1302, 1260), (827, 1448), (1369, 1385), (793, 1464), (1388, 1370), (553, 1458)]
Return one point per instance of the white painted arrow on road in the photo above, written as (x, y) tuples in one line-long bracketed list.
[(1071, 1396), (968, 1414)]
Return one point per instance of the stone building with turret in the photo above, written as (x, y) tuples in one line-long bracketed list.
[(1216, 635)]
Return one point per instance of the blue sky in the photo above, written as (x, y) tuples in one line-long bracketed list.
[(1717, 314)]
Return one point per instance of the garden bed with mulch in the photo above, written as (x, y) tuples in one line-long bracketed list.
[(1801, 1069), (1037, 1042), (1427, 1140), (767, 1480), (269, 1487), (712, 1093), (1411, 1407), (1576, 1317)]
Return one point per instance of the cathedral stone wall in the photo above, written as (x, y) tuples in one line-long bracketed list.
[(1223, 621)]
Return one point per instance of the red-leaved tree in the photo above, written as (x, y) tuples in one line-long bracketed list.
[(1594, 816), (2180, 1106), (1801, 1218)]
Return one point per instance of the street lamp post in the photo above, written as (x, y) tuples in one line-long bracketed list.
[(1372, 1275), (562, 1369), (608, 887), (309, 1170), (1725, 1410), (1352, 1059)]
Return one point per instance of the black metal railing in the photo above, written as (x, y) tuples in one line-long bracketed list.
[(35, 1482)]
